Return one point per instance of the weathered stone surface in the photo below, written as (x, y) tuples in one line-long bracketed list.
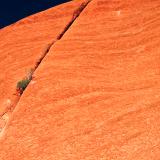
[(96, 94)]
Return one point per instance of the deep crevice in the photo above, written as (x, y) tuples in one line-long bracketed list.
[(76, 14)]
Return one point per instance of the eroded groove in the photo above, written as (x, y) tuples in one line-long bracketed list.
[(8, 111)]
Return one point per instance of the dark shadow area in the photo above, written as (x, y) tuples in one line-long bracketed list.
[(14, 10)]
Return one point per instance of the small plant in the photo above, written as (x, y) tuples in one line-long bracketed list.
[(21, 85)]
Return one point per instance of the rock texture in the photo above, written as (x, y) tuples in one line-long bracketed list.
[(95, 95)]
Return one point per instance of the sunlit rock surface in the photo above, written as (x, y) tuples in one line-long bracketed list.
[(95, 95)]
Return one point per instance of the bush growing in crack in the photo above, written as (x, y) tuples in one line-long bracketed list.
[(21, 85)]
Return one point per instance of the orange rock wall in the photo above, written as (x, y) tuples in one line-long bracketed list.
[(96, 93)]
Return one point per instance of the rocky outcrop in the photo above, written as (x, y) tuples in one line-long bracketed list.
[(95, 94)]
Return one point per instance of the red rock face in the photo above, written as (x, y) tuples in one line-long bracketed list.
[(96, 93)]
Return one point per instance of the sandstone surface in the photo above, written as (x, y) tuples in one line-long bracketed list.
[(96, 94)]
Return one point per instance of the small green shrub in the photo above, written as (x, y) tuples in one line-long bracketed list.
[(21, 85)]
